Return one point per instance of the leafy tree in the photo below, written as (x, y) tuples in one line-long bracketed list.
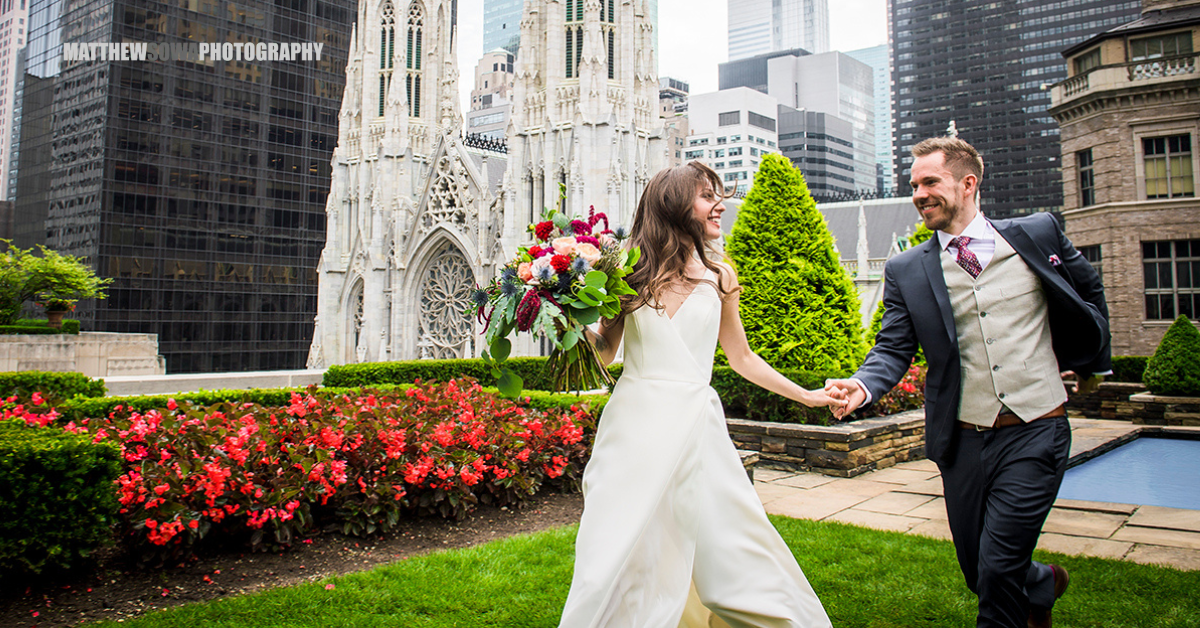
[(798, 305), (53, 279), (1174, 369)]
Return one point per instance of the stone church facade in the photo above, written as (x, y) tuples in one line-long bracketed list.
[(416, 217)]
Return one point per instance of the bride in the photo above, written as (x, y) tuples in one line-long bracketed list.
[(672, 531)]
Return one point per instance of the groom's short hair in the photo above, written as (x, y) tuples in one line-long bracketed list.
[(961, 158)]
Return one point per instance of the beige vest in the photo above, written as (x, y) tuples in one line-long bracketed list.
[(1003, 339)]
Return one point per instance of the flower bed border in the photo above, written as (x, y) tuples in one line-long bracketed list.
[(844, 450)]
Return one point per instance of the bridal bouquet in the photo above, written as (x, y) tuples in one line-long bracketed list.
[(572, 275)]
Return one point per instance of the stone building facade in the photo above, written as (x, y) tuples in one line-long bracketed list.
[(1129, 112), (418, 215), (412, 220), (585, 110)]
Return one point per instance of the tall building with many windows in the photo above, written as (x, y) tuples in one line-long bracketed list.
[(491, 99), (502, 25), (1130, 116), (986, 67), (13, 31), (197, 185), (878, 58), (761, 26), (731, 130), (832, 83)]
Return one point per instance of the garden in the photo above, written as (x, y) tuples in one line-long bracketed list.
[(415, 494)]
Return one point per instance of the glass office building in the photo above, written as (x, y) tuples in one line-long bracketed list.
[(197, 185), (987, 67)]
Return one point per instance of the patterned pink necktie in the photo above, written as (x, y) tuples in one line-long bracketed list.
[(966, 258)]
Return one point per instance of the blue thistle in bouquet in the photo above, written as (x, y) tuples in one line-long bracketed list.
[(571, 276)]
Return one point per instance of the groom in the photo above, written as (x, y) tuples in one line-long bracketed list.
[(999, 307)]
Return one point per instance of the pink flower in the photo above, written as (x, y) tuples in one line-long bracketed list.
[(38, 399), (588, 252), (525, 271), (564, 246)]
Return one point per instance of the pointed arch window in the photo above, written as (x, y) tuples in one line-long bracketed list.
[(387, 51), (412, 79), (574, 34), (608, 28)]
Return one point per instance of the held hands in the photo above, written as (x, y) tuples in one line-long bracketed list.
[(851, 394), (821, 398)]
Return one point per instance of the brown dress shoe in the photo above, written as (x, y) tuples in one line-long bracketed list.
[(1040, 617)]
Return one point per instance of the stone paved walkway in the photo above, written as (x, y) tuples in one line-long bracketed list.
[(908, 498)]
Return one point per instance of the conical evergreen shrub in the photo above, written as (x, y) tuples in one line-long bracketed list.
[(798, 305), (1174, 369)]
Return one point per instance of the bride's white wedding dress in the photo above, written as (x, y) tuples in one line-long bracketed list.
[(670, 520)]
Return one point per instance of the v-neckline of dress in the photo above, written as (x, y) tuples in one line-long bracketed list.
[(696, 287)]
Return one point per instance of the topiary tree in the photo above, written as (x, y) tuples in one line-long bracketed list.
[(798, 305), (1174, 369)]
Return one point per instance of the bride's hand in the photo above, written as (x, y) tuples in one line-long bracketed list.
[(821, 398)]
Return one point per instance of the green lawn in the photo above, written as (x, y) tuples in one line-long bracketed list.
[(865, 578)]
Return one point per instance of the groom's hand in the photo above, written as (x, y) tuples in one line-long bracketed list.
[(849, 390)]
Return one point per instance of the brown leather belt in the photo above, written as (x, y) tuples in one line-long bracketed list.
[(1008, 419)]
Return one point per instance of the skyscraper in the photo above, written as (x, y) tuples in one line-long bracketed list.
[(761, 26), (13, 30), (502, 25), (877, 58), (198, 185), (986, 67), (832, 83)]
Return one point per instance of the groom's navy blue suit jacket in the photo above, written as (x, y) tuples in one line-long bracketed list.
[(918, 312)]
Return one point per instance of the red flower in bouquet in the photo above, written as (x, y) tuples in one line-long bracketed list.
[(543, 230)]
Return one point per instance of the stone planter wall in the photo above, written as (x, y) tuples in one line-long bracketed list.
[(1148, 409), (843, 450), (95, 354), (1110, 401)]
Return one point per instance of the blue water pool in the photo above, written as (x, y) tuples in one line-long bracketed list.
[(1146, 471)]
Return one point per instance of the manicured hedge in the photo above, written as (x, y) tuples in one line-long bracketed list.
[(28, 326), (530, 369), (56, 498), (740, 397), (54, 386), (1128, 368)]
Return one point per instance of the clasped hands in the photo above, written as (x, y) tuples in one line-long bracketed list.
[(848, 393)]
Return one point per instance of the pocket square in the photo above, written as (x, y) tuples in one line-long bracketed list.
[(1054, 261)]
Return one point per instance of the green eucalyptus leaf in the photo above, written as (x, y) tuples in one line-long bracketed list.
[(570, 338), (501, 348), (589, 315), (510, 384), (595, 279), (590, 296)]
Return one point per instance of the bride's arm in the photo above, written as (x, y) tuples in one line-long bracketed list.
[(745, 362), (609, 338)]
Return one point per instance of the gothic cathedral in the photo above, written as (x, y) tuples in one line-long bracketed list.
[(417, 217)]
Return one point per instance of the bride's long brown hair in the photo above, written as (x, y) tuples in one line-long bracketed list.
[(666, 231)]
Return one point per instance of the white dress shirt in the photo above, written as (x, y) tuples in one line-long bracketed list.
[(983, 240)]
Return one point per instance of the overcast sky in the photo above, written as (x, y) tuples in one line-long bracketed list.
[(691, 37)]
